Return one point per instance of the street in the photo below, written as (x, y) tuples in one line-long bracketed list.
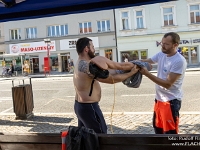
[(56, 95)]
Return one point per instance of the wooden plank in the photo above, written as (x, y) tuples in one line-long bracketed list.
[(144, 147), (31, 146), (48, 141), (31, 138)]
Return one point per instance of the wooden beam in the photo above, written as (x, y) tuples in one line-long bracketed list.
[(48, 141)]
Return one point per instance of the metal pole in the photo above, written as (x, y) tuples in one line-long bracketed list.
[(48, 45), (115, 35), (22, 65)]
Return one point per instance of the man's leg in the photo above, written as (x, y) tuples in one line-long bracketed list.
[(80, 124), (91, 116), (157, 122), (175, 106), (170, 116)]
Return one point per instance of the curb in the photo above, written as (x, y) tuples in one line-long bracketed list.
[(71, 75)]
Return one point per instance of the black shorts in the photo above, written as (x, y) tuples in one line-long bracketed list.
[(90, 116)]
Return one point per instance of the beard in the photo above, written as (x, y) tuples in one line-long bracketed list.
[(91, 54), (166, 51)]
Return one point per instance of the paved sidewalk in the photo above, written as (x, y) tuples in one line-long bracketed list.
[(122, 123)]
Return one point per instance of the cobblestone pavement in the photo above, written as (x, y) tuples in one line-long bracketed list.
[(122, 123)]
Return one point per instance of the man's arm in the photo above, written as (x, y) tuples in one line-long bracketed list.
[(106, 64), (171, 78), (149, 60), (114, 77)]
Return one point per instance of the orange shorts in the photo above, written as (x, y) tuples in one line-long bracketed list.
[(166, 116)]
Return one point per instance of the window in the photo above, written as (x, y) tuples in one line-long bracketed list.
[(58, 30), (15, 34), (139, 19), (194, 13), (85, 27), (125, 21), (31, 33), (103, 26), (168, 16)]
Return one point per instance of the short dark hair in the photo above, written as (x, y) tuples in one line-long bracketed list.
[(175, 37), (82, 43)]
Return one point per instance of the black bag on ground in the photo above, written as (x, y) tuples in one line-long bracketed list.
[(81, 138)]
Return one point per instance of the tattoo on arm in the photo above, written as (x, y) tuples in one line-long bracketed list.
[(83, 66)]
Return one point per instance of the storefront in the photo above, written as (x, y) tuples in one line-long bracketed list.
[(190, 50), (143, 47), (68, 51), (33, 53), (15, 59)]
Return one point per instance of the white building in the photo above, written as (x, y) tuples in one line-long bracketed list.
[(140, 29), (26, 38), (2, 44)]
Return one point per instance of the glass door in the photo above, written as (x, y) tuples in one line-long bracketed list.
[(193, 53), (190, 53)]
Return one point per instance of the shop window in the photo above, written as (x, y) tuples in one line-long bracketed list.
[(16, 61), (108, 54), (133, 55), (143, 54), (190, 54)]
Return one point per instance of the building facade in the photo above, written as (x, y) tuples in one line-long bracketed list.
[(140, 29), (2, 44), (25, 39)]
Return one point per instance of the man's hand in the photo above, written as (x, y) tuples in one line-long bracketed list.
[(144, 70), (150, 66), (135, 69)]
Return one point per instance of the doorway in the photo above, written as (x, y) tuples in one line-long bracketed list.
[(35, 63), (65, 63)]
